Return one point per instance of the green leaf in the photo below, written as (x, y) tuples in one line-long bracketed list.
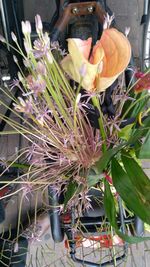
[(110, 210), (109, 205), (93, 178), (137, 147), (72, 189), (102, 163), (140, 132), (144, 152), (125, 132), (140, 105), (130, 193), (138, 178), (132, 239)]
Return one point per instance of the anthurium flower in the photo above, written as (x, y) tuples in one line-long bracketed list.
[(108, 59), (143, 82)]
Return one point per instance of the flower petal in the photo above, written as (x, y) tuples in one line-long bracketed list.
[(117, 52), (77, 57), (84, 46), (143, 83)]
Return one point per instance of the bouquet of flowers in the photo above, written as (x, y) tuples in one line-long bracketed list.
[(73, 141)]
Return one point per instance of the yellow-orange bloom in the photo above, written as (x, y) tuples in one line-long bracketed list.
[(109, 58)]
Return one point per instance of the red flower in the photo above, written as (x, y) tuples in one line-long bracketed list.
[(143, 82)]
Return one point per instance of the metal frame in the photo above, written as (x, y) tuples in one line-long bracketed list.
[(11, 21), (72, 244), (145, 21)]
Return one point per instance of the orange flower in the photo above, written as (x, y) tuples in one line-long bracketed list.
[(109, 58), (143, 82)]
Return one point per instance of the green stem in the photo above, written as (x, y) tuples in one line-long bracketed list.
[(19, 216), (100, 121), (133, 104), (18, 165)]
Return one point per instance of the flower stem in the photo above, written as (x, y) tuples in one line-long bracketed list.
[(100, 121)]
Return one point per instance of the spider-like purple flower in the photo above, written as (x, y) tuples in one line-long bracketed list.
[(55, 46), (42, 48), (37, 85), (24, 106), (15, 83)]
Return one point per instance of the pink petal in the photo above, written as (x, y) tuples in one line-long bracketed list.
[(84, 46)]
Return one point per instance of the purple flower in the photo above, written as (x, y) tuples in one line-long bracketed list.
[(41, 69), (15, 83), (42, 47), (24, 106), (55, 46), (37, 85)]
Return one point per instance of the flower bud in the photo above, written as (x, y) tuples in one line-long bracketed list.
[(27, 46), (15, 59), (38, 24), (127, 31), (108, 20), (13, 36), (49, 57), (16, 247), (78, 98), (26, 27), (28, 24), (20, 77)]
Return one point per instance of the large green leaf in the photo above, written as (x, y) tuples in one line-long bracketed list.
[(110, 210), (131, 194), (140, 181), (125, 132), (93, 178), (102, 163), (132, 239), (109, 205)]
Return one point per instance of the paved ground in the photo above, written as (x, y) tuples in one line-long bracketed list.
[(128, 14)]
